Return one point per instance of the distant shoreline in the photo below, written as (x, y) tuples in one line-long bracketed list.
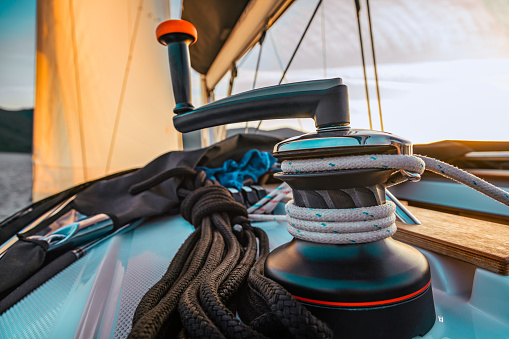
[(15, 182), (16, 130)]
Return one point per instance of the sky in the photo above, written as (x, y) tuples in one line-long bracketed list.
[(443, 64), (17, 55)]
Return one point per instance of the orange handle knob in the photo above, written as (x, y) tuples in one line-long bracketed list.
[(178, 35), (176, 26)]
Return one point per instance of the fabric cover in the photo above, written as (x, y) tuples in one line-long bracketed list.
[(21, 260), (112, 197), (103, 96)]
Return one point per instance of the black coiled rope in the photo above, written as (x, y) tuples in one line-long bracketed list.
[(215, 287)]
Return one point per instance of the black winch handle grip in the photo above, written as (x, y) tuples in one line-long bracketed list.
[(325, 101), (177, 35)]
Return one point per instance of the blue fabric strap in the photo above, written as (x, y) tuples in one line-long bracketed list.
[(233, 174)]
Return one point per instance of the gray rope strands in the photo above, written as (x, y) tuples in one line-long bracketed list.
[(200, 293)]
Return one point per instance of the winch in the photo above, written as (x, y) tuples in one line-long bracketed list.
[(344, 267), (342, 263)]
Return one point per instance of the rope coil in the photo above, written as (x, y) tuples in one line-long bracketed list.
[(367, 224), (341, 226), (202, 291)]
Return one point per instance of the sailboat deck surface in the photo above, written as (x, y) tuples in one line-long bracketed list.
[(479, 242)]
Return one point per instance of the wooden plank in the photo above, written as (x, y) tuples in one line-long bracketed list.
[(479, 242)]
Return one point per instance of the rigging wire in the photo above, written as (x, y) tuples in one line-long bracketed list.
[(244, 58), (374, 66), (300, 41), (78, 91), (358, 9), (124, 86), (295, 50), (219, 132), (278, 58), (241, 62), (262, 39)]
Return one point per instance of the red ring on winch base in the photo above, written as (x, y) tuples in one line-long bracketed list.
[(369, 303)]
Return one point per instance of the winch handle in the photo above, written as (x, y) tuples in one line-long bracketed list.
[(325, 101), (177, 35)]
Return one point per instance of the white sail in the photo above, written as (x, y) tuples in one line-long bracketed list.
[(103, 93)]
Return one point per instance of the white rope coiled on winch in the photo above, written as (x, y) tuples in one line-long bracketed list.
[(341, 226), (382, 161), (359, 225)]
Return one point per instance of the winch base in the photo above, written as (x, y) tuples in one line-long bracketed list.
[(407, 319), (373, 290)]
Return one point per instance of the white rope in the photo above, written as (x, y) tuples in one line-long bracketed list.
[(260, 211), (273, 198), (272, 203), (381, 161), (341, 226), (357, 225), (411, 163), (266, 217), (465, 178), (342, 238), (348, 214), (367, 224)]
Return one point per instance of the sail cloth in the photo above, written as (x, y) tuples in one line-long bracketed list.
[(103, 93)]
